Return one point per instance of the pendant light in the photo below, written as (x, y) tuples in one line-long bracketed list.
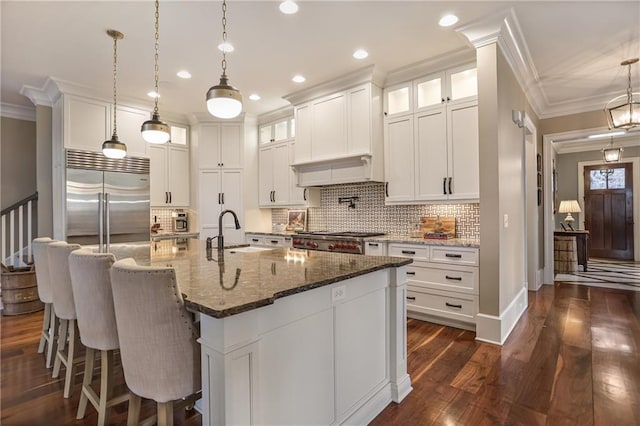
[(224, 100), (155, 130), (113, 148), (611, 154), (623, 112)]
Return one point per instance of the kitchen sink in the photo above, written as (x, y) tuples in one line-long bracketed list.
[(249, 249)]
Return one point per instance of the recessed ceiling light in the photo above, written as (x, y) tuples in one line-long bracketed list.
[(448, 20), (226, 47), (254, 97), (605, 135), (183, 74), (360, 54), (298, 78), (153, 94), (288, 7)]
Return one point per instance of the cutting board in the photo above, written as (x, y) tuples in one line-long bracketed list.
[(438, 225)]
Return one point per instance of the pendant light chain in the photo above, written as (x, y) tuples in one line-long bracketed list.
[(115, 77), (629, 94), (157, 26), (224, 37)]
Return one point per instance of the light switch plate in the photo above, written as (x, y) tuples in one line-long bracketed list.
[(505, 220)]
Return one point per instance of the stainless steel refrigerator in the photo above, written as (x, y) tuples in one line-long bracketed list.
[(108, 200)]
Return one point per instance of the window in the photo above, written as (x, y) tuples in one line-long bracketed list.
[(607, 179)]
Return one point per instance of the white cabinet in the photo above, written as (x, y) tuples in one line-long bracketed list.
[(439, 132), (220, 145), (274, 175), (88, 123), (339, 137), (277, 131), (169, 175), (442, 283), (263, 240), (375, 248), (220, 190)]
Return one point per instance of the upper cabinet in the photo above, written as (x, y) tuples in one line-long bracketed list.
[(170, 171), (277, 131), (220, 145), (87, 123), (339, 134), (432, 91), (434, 121)]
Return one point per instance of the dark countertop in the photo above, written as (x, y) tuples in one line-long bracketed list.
[(229, 283), (162, 235)]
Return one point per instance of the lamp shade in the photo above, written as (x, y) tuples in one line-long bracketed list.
[(623, 112), (569, 206), (113, 148), (155, 130), (612, 155), (223, 100)]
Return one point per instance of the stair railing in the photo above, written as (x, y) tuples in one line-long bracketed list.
[(17, 222)]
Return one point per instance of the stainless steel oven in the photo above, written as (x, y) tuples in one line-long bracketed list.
[(339, 242)]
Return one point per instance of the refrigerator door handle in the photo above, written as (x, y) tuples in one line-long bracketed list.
[(100, 222), (107, 230)]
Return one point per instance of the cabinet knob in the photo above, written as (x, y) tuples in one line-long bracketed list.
[(442, 99), (385, 113), (448, 98)]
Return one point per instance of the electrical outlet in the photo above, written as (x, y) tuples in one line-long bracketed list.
[(338, 293)]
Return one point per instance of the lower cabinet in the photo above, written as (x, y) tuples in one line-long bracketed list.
[(266, 240), (442, 283), (375, 248)]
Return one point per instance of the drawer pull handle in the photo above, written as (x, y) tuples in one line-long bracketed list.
[(452, 305), (411, 298), (408, 252), (274, 241), (373, 244), (410, 273), (453, 278), (455, 256), (255, 240)]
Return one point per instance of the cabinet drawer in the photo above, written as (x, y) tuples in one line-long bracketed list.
[(273, 241), (462, 279), (459, 306), (455, 255), (255, 240), (406, 250), (375, 248)]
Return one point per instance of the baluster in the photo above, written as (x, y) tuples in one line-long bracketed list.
[(20, 233), (12, 243), (29, 232), (4, 237)]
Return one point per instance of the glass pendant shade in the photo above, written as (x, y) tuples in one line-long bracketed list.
[(155, 130), (612, 155), (113, 148), (623, 112), (223, 100)]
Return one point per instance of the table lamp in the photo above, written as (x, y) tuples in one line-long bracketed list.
[(568, 207)]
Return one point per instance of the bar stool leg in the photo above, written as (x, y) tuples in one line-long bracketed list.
[(134, 409), (165, 413), (86, 382), (71, 352), (62, 343), (52, 337), (106, 387), (45, 327)]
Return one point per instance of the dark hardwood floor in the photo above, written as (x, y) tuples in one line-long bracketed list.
[(573, 359)]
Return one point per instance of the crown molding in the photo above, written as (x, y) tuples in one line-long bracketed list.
[(367, 74), (437, 63), (283, 112), (196, 118), (19, 112)]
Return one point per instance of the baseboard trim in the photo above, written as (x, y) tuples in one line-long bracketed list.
[(495, 330)]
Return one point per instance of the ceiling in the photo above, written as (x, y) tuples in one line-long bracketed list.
[(575, 47)]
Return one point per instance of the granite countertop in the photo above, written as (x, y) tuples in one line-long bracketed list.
[(161, 234), (221, 284), (279, 234)]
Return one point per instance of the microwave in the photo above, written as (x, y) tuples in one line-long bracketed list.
[(180, 222)]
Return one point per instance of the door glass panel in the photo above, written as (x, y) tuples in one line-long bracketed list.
[(398, 100), (429, 93), (281, 130), (293, 127), (178, 135), (607, 179), (265, 134), (464, 84)]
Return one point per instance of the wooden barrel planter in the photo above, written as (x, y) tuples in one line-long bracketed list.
[(20, 292), (565, 254)]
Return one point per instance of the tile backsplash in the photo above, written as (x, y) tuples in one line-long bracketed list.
[(163, 217), (370, 213)]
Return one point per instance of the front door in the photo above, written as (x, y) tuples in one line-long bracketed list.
[(608, 201)]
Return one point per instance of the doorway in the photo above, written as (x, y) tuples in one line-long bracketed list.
[(608, 201)]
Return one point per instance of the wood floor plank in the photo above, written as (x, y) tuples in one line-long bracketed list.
[(474, 373)]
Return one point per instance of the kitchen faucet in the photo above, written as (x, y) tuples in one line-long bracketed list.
[(220, 237)]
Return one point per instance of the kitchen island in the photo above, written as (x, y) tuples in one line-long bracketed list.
[(292, 336)]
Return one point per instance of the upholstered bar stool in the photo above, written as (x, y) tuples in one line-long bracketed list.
[(65, 309), (45, 293), (160, 355), (97, 324)]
